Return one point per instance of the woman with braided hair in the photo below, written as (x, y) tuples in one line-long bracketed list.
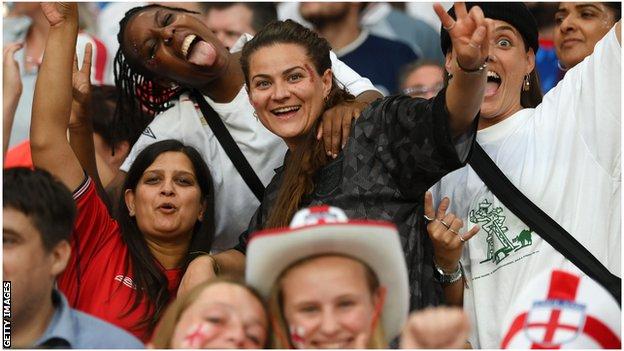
[(168, 60)]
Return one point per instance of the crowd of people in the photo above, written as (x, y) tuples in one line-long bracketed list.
[(222, 178)]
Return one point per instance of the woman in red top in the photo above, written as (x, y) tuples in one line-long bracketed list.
[(123, 270)]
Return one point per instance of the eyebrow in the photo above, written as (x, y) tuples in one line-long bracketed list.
[(175, 172), (504, 28), (10, 231), (580, 7), (285, 72)]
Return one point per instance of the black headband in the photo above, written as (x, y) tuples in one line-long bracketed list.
[(514, 13)]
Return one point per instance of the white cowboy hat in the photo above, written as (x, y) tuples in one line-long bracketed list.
[(326, 230)]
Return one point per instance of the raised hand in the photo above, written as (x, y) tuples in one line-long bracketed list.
[(81, 78), (81, 92), (436, 328), (468, 33), (445, 233), (58, 13), (11, 79)]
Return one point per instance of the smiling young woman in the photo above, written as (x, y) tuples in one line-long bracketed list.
[(396, 149)]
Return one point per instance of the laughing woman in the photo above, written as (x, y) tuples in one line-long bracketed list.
[(395, 151), (562, 152)]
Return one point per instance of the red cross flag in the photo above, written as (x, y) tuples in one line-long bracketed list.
[(562, 310)]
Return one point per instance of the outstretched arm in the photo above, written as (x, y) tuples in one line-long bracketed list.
[(53, 97), (469, 36)]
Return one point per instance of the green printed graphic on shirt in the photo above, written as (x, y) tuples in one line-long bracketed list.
[(492, 221)]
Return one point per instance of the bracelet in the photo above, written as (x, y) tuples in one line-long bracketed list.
[(449, 278), (473, 71), (215, 264)]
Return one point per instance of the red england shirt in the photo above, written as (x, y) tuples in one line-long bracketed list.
[(98, 278)]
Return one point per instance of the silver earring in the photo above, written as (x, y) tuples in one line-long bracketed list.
[(526, 84), (255, 115), (561, 67)]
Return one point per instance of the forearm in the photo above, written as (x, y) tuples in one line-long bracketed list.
[(454, 293), (81, 142), (52, 106), (231, 262), (112, 193), (53, 89), (464, 97), (9, 106), (368, 96)]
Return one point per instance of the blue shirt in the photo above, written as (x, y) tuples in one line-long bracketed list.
[(73, 329), (378, 59)]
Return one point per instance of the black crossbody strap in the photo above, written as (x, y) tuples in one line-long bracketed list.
[(229, 145), (539, 222)]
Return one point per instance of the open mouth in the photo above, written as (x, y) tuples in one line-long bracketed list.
[(167, 208), (493, 83), (286, 112), (197, 51)]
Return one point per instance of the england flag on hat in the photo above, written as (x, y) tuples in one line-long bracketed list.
[(563, 310)]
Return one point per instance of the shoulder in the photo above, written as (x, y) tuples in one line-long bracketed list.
[(96, 333), (182, 109)]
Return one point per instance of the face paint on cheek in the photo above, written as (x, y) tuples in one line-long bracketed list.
[(310, 71), (297, 336), (197, 335)]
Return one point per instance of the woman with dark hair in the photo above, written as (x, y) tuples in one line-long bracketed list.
[(579, 26), (562, 153), (167, 63), (123, 270), (396, 149)]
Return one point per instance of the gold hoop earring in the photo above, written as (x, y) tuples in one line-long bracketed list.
[(526, 85)]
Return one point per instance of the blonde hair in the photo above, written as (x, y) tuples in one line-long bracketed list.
[(164, 331), (280, 338)]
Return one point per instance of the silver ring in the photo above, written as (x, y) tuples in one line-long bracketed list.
[(449, 28), (453, 231), (444, 224), (428, 218), (461, 237), (473, 45)]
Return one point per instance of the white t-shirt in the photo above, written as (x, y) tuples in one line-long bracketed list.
[(564, 156), (234, 201)]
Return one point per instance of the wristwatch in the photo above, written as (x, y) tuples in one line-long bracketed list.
[(449, 278)]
